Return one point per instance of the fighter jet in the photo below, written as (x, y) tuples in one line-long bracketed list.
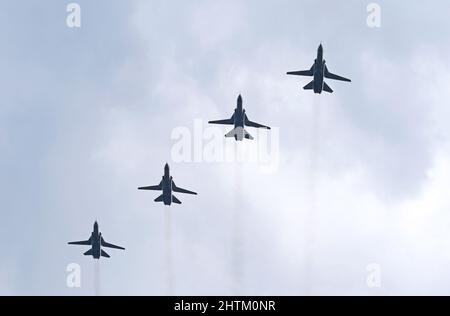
[(96, 242), (167, 186), (319, 71), (239, 120)]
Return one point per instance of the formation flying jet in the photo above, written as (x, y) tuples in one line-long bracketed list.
[(239, 120), (319, 71), (167, 186), (96, 242)]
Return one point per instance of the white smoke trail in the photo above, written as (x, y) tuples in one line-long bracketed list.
[(97, 277), (311, 212), (237, 251), (168, 254)]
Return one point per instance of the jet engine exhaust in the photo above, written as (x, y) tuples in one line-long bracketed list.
[(168, 254), (97, 278), (237, 242), (311, 211)]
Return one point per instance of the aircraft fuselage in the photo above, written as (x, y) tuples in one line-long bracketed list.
[(319, 71), (239, 115), (239, 121), (167, 186), (96, 243)]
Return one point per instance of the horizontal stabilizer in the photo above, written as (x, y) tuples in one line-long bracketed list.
[(239, 134), (247, 135), (232, 133), (104, 254), (327, 88), (175, 200), (309, 86), (88, 253), (160, 198)]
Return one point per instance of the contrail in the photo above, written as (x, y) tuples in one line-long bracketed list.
[(168, 255), (97, 277), (311, 212), (237, 255)]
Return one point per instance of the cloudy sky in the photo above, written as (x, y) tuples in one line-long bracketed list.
[(360, 179)]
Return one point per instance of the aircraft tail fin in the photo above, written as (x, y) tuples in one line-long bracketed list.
[(175, 200), (327, 88), (160, 198), (309, 86), (104, 254), (88, 253)]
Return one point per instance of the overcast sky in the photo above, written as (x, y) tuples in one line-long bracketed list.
[(87, 115)]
